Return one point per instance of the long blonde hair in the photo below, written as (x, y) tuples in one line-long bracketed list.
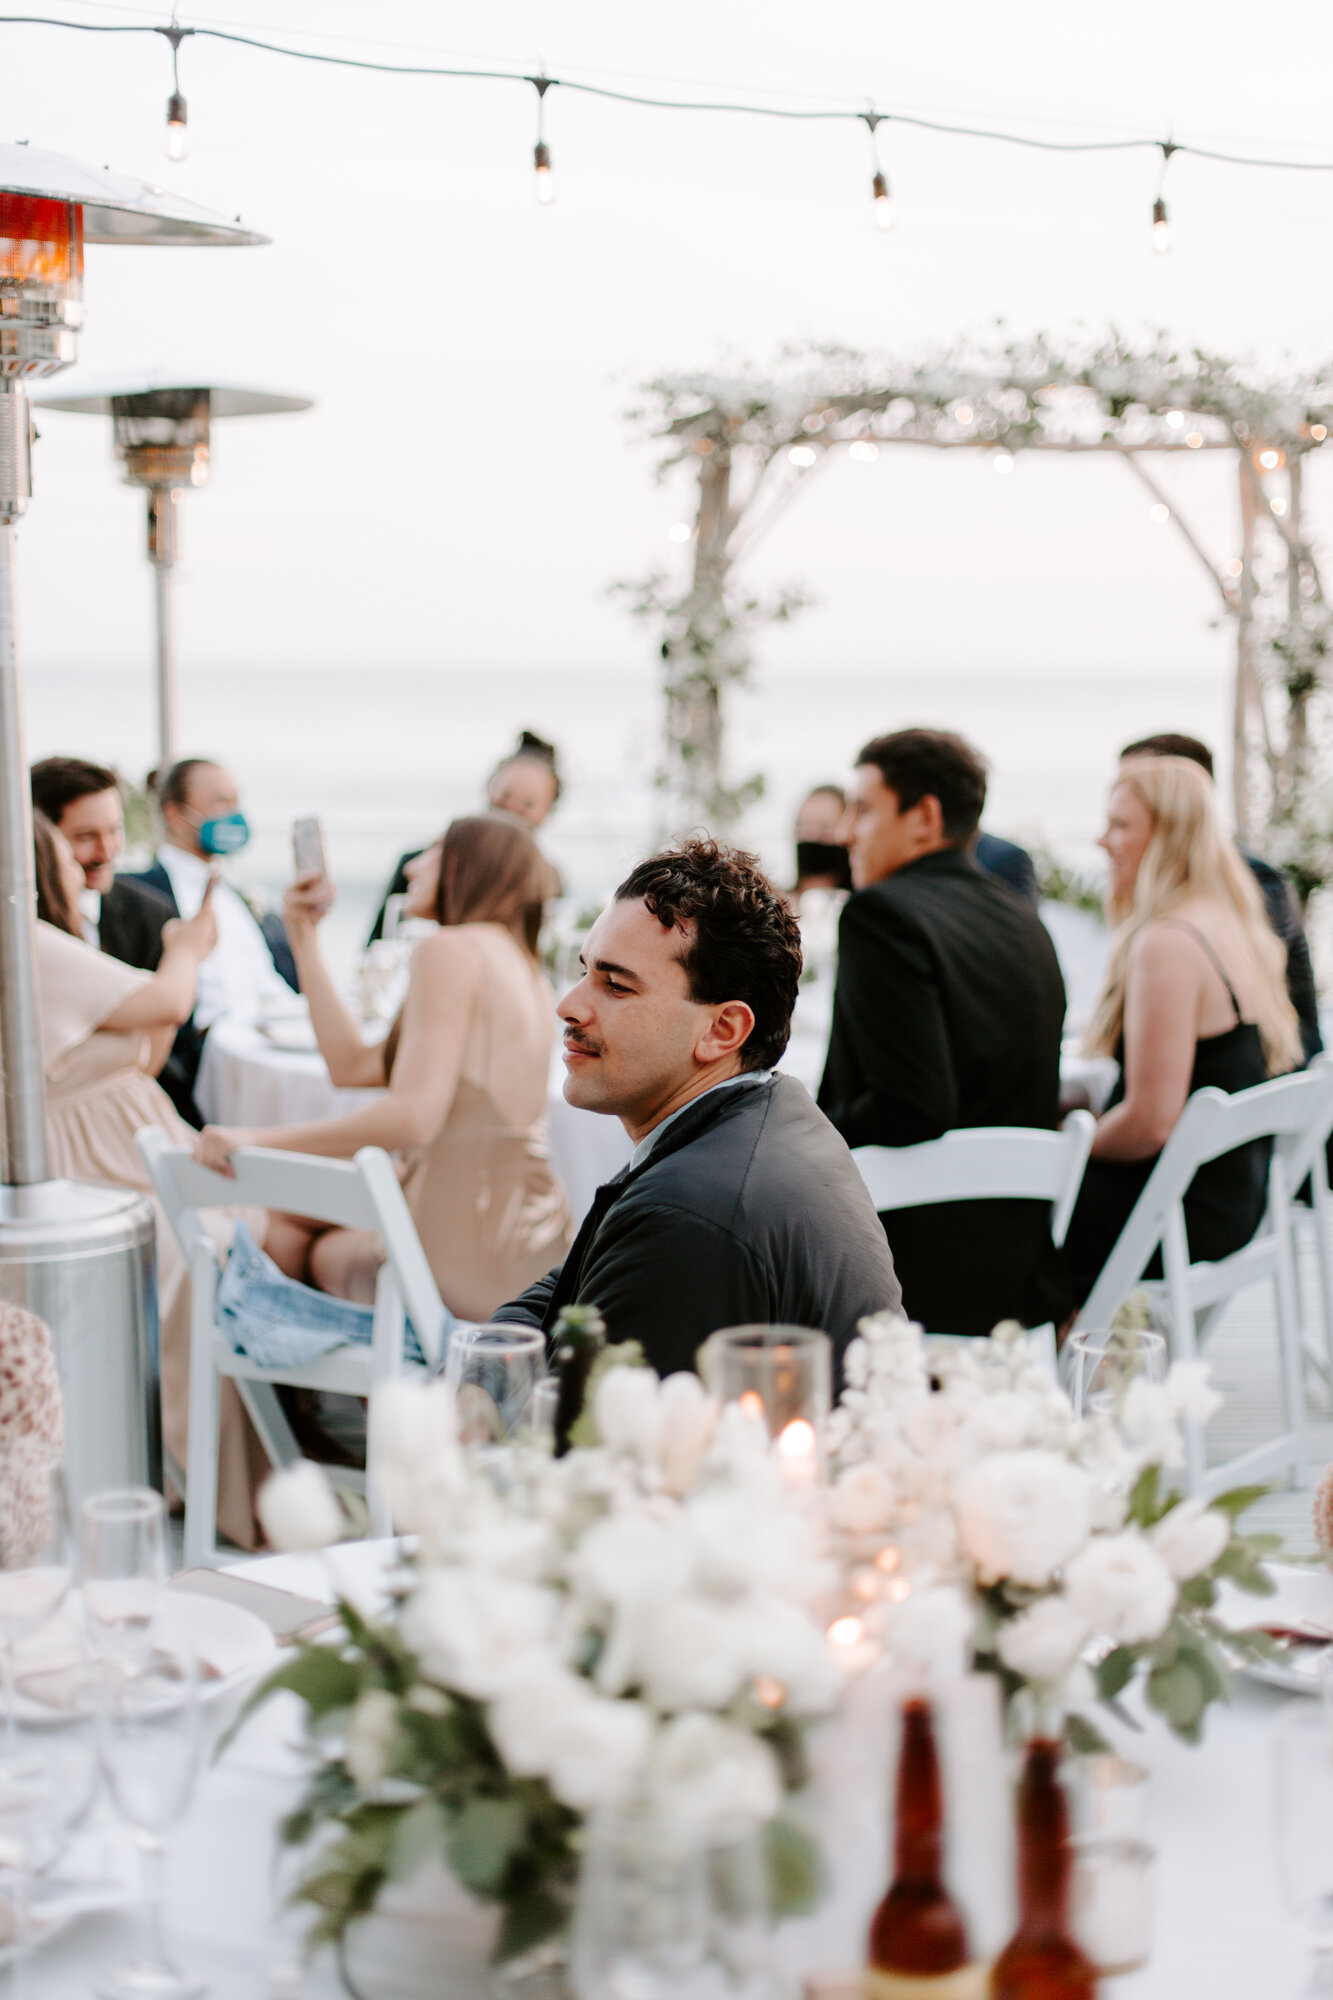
[(1190, 853)]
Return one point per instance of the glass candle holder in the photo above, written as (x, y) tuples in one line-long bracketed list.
[(1111, 1902), (782, 1376), (1100, 1367)]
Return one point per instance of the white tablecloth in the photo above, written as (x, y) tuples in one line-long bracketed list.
[(1221, 1933)]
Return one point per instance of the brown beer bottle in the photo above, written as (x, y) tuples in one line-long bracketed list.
[(1041, 1960), (918, 1941)]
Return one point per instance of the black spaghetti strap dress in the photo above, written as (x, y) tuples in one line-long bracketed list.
[(1225, 1202)]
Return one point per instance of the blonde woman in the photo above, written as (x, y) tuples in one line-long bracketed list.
[(1195, 994)]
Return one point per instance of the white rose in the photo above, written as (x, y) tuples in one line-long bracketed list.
[(780, 1642), (862, 1500), (1043, 1642), (530, 1716), (930, 1628), (688, 1655), (1022, 1515), (856, 1364), (370, 1738), (1190, 1538), (414, 1432), (1150, 1421), (471, 1631), (626, 1410), (630, 1558), (713, 1778), (1192, 1395), (299, 1510), (507, 1546), (549, 1723), (741, 1545), (688, 1420), (1122, 1587)]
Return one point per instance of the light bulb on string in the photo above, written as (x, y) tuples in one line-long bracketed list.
[(541, 152), (177, 140), (879, 181), (1161, 232)]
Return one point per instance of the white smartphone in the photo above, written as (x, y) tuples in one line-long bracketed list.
[(307, 849)]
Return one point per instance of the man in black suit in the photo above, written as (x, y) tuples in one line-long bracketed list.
[(119, 915), (948, 1012), (1273, 887)]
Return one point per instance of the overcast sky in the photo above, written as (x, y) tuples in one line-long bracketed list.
[(466, 489)]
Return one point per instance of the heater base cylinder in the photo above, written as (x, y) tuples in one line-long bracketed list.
[(82, 1259)]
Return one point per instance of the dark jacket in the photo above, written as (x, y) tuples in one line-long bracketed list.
[(749, 1212), (131, 922), (948, 1012), (1008, 863), (178, 1073), (1285, 919), (397, 887)]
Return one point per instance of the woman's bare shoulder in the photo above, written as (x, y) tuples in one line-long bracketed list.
[(1166, 946)]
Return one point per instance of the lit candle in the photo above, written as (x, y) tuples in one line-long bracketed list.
[(798, 1449)]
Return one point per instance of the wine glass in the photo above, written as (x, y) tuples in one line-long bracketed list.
[(493, 1372), (1303, 1827), (34, 1559), (151, 1748), (123, 1533), (1103, 1365)]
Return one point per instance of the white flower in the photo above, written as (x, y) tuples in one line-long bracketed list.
[(625, 1410), (1190, 1538), (930, 1628), (862, 1500), (714, 1778), (688, 1421), (1022, 1515), (471, 1631), (298, 1508), (1192, 1396), (414, 1434), (630, 1558), (856, 1364), (1150, 1421), (370, 1738), (1122, 1587), (780, 1642), (687, 1655), (548, 1723), (741, 1545), (1043, 1642)]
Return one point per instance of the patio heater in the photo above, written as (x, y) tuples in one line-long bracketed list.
[(79, 1256), (161, 436)]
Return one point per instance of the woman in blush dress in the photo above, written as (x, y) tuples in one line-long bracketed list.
[(106, 1031), (464, 1074), (1195, 994)]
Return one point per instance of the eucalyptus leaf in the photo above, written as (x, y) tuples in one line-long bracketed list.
[(1115, 1672), (1083, 1737), (1238, 1499), (482, 1840), (793, 1867)]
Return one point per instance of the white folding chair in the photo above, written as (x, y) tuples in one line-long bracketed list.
[(1321, 1213), (985, 1163), (1293, 1111), (362, 1193)]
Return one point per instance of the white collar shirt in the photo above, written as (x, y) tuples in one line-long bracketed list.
[(650, 1139), (90, 917), (239, 975)]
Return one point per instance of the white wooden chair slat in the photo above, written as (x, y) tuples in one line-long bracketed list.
[(363, 1193), (984, 1163), (1297, 1113)]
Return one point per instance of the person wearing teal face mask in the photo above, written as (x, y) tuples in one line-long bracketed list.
[(252, 965)]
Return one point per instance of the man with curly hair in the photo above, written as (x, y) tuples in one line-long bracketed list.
[(740, 1203)]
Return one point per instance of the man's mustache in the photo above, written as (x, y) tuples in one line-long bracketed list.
[(574, 1040)]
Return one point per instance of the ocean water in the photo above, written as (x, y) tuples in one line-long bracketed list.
[(387, 756)]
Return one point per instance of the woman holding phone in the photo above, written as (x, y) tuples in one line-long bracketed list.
[(464, 1073)]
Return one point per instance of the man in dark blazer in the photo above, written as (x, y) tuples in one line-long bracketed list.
[(740, 1205), (119, 915), (948, 1012)]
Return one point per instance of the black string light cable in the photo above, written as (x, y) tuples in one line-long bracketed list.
[(176, 110)]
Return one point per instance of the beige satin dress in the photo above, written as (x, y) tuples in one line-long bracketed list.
[(98, 1095), (491, 1215)]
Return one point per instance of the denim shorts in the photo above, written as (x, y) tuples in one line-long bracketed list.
[(279, 1323)]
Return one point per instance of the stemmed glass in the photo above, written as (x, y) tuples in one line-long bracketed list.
[(493, 1372), (1102, 1366), (1303, 1826), (123, 1533), (151, 1745), (34, 1562)]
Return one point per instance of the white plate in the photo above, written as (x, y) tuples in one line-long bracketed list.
[(1304, 1602), (232, 1645), (291, 1032)]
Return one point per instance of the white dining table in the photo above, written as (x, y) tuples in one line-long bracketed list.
[(1220, 1929)]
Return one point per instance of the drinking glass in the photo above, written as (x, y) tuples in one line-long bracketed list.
[(1102, 1366), (1303, 1828), (123, 1534), (151, 1744), (539, 1429), (35, 1564), (493, 1372)]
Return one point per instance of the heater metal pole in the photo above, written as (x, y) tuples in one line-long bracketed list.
[(23, 1141), (162, 555)]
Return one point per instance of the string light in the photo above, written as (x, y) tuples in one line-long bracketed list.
[(679, 531), (864, 451), (177, 113), (541, 152), (1270, 460), (1278, 504), (1161, 233), (802, 455), (879, 183), (1319, 432), (962, 414), (1235, 566), (1194, 439), (1159, 512), (1003, 461), (1175, 420)]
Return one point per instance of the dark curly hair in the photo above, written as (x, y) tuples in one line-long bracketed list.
[(746, 944)]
